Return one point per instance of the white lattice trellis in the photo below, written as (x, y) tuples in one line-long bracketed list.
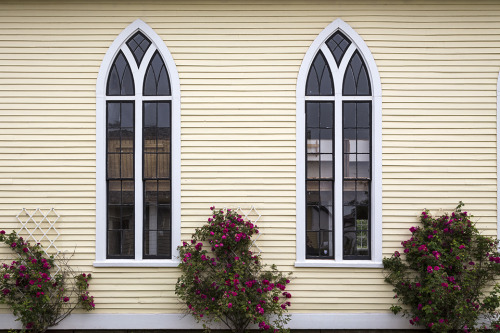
[(39, 227), (254, 216)]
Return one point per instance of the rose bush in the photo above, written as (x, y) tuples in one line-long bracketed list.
[(38, 299), (223, 280), (443, 272)]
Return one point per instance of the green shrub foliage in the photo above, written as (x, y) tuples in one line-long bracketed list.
[(441, 277), (224, 281), (38, 299)]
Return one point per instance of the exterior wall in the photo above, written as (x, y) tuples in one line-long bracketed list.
[(238, 65)]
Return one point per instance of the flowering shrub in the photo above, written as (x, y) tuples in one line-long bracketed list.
[(222, 280), (36, 298), (447, 268)]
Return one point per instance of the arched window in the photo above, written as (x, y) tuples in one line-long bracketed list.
[(138, 147), (338, 152)]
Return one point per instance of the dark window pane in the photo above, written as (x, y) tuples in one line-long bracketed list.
[(326, 193), (150, 166), (127, 166), (349, 192), (312, 114), (326, 244), (114, 242), (312, 166), (113, 166), (113, 138), (128, 193), (163, 165), (313, 142), (326, 218), (312, 218), (113, 114), (114, 192), (312, 193), (363, 114), (156, 81), (338, 45), (120, 80), (363, 192), (326, 115), (127, 118), (312, 244), (151, 192), (349, 114), (127, 140), (356, 80), (128, 243), (149, 139), (326, 142), (350, 166), (363, 141), (164, 139), (326, 166), (150, 114), (163, 114), (114, 218), (138, 44), (163, 192), (319, 80)]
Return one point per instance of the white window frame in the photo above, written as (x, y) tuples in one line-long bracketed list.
[(376, 182), (101, 98)]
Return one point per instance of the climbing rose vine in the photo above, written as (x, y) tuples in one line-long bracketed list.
[(224, 281), (38, 299), (443, 272)]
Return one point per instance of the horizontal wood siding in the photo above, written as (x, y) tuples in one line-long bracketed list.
[(238, 64)]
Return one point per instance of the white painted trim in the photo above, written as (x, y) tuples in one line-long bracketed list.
[(182, 322), (376, 197), (116, 46), (136, 263), (498, 156), (339, 263)]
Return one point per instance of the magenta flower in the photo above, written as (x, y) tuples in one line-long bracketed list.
[(429, 269), (397, 254), (25, 250), (66, 299), (6, 276), (461, 246), (13, 245), (230, 305), (2, 232), (29, 326), (6, 291)]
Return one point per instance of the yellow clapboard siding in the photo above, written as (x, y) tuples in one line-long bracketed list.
[(238, 63)]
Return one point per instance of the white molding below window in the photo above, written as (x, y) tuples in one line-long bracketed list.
[(181, 321), (137, 263), (344, 263)]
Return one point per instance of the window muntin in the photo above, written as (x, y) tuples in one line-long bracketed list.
[(138, 44), (350, 158)]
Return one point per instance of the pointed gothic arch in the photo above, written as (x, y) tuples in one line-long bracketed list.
[(338, 153), (137, 152)]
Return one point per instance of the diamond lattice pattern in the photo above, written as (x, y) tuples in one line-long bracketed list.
[(39, 227)]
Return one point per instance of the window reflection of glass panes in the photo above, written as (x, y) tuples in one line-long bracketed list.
[(362, 234)]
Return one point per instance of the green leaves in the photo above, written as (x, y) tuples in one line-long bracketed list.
[(223, 280), (36, 298), (443, 272)]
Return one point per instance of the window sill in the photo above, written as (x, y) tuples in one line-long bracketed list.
[(136, 263), (345, 263)]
